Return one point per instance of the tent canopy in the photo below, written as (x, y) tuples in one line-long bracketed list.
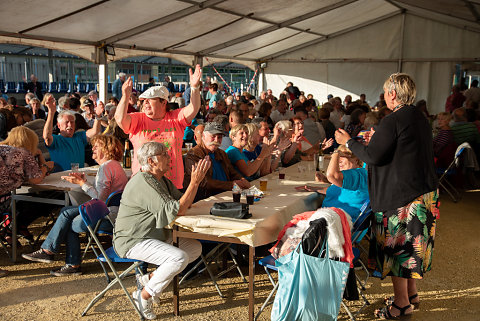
[(388, 34)]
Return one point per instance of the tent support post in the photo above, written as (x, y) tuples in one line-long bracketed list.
[(101, 56), (402, 40)]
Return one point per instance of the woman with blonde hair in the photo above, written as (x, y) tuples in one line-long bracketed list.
[(107, 152), (403, 193), (239, 136), (26, 139)]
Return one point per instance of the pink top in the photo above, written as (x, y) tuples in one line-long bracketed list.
[(169, 131)]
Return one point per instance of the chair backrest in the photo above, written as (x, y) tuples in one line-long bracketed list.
[(93, 211), (362, 222), (114, 198)]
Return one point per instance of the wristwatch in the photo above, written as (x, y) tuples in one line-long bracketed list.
[(347, 144)]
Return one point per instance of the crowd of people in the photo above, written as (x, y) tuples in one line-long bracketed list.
[(236, 139)]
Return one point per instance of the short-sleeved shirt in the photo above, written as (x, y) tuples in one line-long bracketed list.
[(216, 97), (253, 155), (234, 154), (168, 131), (353, 193), (67, 150)]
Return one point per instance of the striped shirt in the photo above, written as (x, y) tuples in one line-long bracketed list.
[(465, 132)]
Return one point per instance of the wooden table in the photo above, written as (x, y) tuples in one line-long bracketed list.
[(269, 215)]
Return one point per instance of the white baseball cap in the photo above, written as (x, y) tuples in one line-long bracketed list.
[(155, 92)]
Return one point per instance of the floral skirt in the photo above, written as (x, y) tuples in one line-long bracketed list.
[(402, 239)]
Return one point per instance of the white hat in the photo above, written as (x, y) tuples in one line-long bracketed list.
[(155, 92)]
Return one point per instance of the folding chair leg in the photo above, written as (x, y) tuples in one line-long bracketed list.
[(117, 278), (448, 191), (102, 265), (348, 311), (212, 277), (236, 264), (87, 247), (267, 302)]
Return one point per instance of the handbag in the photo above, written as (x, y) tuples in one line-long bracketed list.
[(230, 209), (310, 288)]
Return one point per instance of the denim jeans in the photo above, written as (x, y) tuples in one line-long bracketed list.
[(69, 223)]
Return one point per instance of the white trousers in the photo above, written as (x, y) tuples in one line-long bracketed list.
[(169, 259)]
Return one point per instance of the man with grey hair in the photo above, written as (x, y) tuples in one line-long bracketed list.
[(281, 112), (117, 85), (221, 176), (462, 130), (69, 146), (93, 96), (28, 97)]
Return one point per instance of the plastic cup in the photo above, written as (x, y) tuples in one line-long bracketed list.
[(250, 199), (263, 185), (74, 167), (236, 197)]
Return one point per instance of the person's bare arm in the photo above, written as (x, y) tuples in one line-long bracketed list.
[(198, 174), (190, 111), (95, 130), (48, 127), (334, 174), (121, 117)]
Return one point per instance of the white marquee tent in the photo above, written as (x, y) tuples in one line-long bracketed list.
[(322, 46)]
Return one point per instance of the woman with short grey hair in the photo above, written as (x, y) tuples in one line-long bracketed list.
[(150, 202)]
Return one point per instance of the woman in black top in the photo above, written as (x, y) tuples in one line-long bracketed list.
[(403, 192)]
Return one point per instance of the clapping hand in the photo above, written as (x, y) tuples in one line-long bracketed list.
[(326, 143), (75, 178), (341, 136), (200, 169), (51, 104)]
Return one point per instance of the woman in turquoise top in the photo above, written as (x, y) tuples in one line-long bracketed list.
[(349, 189), (239, 136)]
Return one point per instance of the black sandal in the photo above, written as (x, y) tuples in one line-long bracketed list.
[(416, 305), (384, 313)]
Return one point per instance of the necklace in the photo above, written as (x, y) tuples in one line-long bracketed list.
[(398, 107)]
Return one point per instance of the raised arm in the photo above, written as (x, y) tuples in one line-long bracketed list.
[(48, 127), (121, 117), (192, 109), (95, 130), (334, 174)]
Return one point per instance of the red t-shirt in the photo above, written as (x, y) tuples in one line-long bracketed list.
[(169, 131)]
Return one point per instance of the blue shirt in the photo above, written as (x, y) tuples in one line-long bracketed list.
[(253, 155), (218, 172), (216, 97), (353, 193), (234, 154), (67, 150)]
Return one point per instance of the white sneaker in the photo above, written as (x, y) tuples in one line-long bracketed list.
[(143, 279), (145, 306)]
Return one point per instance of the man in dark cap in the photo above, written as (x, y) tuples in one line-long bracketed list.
[(221, 176)]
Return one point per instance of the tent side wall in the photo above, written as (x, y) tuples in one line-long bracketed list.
[(359, 61)]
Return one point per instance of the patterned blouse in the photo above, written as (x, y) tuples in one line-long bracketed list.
[(17, 165)]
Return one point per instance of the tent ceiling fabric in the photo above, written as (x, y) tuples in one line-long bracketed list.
[(223, 30)]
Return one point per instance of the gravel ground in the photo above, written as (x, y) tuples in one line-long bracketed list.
[(451, 291)]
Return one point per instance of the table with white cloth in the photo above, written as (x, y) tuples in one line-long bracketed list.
[(53, 182), (279, 204)]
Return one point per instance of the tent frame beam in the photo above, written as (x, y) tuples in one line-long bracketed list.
[(276, 26), (197, 7), (472, 9), (43, 24), (333, 35)]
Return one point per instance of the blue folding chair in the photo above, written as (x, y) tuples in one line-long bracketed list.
[(92, 212), (112, 200)]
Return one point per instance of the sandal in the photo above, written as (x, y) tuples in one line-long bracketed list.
[(416, 305), (384, 313)]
